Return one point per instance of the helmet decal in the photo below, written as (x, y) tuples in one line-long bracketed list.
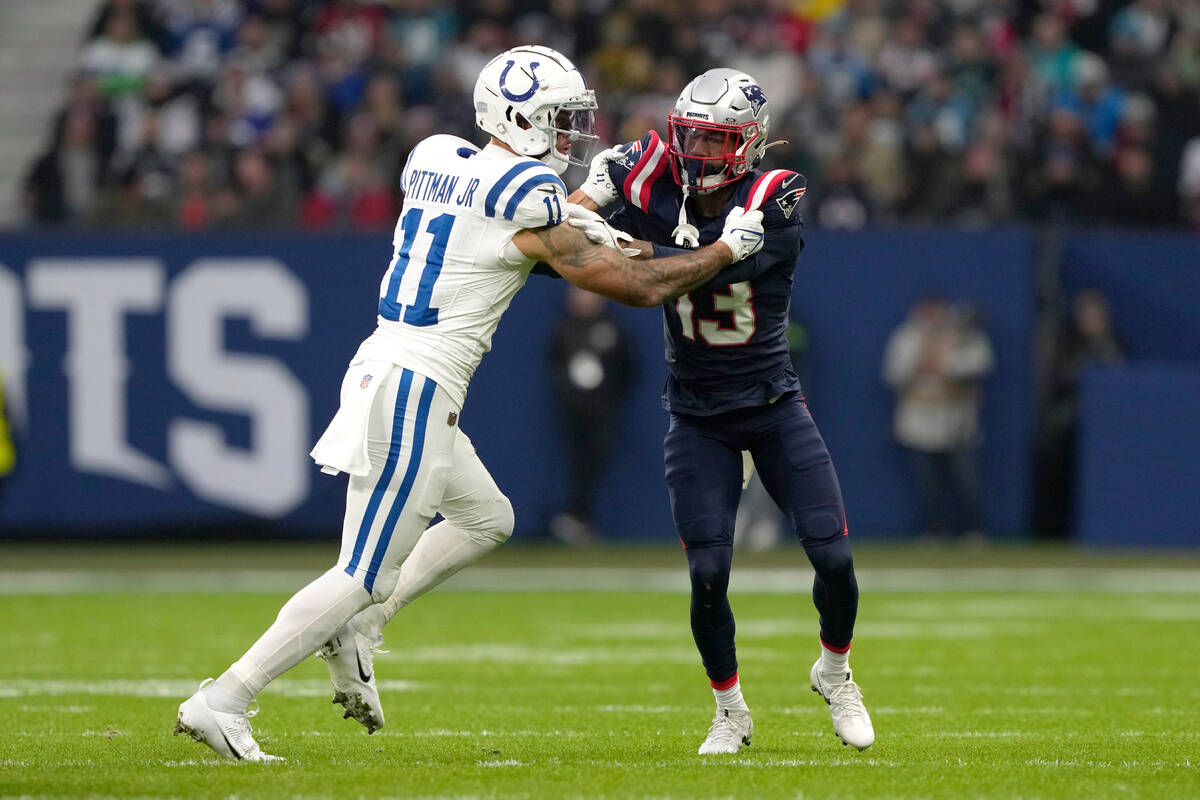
[(520, 98), (754, 94)]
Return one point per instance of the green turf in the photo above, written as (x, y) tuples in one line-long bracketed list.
[(973, 694)]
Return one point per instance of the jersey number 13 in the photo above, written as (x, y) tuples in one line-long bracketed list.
[(735, 300)]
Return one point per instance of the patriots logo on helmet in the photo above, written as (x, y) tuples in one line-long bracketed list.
[(754, 94), (787, 203)]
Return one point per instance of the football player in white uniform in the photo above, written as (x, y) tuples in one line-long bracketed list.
[(475, 222)]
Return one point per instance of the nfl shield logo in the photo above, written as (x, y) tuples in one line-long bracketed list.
[(452, 418), (366, 381)]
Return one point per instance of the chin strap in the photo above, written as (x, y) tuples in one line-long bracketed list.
[(685, 234)]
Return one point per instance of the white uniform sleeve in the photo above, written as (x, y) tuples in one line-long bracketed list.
[(539, 200)]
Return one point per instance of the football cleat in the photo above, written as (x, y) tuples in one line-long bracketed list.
[(851, 722), (730, 730), (226, 733), (350, 658)]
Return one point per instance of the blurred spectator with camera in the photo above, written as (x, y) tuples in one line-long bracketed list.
[(936, 362), (592, 369), (1088, 338)]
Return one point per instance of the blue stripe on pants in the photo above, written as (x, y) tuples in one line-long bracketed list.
[(364, 527), (410, 475)]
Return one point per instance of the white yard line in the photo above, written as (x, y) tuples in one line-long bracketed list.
[(163, 687), (604, 579)]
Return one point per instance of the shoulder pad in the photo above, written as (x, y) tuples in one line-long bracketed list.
[(777, 189), (628, 156), (435, 148), (647, 159), (528, 194)]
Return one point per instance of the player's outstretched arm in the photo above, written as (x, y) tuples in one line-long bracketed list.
[(642, 282), (581, 198)]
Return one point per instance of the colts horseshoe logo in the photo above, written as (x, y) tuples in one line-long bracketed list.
[(517, 98)]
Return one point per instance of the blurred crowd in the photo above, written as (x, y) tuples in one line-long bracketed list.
[(213, 114)]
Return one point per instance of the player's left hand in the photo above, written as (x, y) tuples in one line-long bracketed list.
[(743, 233), (598, 231)]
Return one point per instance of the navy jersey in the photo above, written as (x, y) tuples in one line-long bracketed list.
[(726, 340)]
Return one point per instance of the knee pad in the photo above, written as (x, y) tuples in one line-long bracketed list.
[(385, 583), (709, 568), (487, 519), (493, 521), (831, 557)]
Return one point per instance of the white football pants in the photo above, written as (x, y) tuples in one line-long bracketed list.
[(421, 463)]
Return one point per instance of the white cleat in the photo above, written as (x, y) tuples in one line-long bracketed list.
[(851, 722), (730, 730), (350, 658), (226, 733)]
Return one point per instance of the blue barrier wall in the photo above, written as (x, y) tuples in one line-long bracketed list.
[(1139, 477), (1139, 472), (1153, 284), (853, 290), (179, 381)]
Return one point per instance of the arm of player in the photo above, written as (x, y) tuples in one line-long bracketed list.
[(598, 231), (583, 200), (580, 198), (643, 283)]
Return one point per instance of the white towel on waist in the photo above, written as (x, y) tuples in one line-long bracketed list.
[(343, 445)]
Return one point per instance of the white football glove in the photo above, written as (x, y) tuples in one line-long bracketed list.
[(743, 232), (598, 231), (599, 186)]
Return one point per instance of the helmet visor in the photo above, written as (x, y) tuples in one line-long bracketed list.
[(573, 128), (570, 127), (705, 155)]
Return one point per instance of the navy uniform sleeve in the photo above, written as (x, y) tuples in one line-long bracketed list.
[(545, 270), (635, 171), (777, 194)]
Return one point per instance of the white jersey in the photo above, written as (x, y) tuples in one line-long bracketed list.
[(454, 270)]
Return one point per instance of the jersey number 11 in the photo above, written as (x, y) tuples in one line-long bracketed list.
[(418, 311)]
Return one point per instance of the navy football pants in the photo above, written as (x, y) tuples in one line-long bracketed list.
[(704, 479)]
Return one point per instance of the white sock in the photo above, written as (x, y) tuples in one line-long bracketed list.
[(833, 662), (370, 621), (731, 698), (304, 623), (440, 552)]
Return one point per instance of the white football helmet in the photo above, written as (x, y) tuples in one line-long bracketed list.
[(533, 98), (718, 130)]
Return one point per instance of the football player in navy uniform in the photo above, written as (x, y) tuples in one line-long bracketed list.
[(731, 387)]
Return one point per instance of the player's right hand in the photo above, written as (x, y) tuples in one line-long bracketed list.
[(599, 186), (598, 231), (743, 232)]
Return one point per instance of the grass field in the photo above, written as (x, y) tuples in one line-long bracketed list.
[(1003, 673)]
